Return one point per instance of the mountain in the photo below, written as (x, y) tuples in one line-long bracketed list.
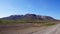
[(27, 17)]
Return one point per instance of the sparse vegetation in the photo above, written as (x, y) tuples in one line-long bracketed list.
[(28, 18), (44, 23)]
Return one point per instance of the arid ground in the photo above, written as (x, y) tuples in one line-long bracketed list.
[(29, 29)]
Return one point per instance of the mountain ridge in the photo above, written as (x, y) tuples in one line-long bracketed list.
[(28, 17)]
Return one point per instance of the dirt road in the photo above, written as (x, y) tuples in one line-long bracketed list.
[(33, 30), (50, 30)]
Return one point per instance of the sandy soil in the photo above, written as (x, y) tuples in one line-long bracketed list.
[(19, 29)]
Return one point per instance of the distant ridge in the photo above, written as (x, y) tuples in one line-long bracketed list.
[(27, 17)]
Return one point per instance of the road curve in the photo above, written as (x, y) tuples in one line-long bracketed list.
[(50, 30)]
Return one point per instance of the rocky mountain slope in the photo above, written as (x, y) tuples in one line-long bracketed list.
[(28, 17)]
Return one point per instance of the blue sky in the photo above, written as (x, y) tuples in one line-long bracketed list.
[(39, 7)]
